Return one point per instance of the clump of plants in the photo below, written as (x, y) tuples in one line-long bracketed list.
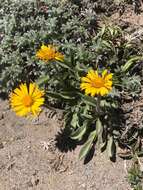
[(89, 83), (135, 174), (25, 25)]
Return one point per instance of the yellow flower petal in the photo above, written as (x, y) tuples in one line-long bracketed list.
[(104, 73), (109, 76), (31, 88), (23, 88), (25, 101), (85, 79), (95, 84), (49, 53)]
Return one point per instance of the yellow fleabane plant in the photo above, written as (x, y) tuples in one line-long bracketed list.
[(97, 84), (26, 100), (49, 53)]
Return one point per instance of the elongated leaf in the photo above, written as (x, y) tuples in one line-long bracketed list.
[(42, 80), (103, 146), (69, 94), (65, 65), (78, 134), (60, 95), (129, 63), (87, 99), (103, 30), (111, 30), (99, 130), (87, 116), (99, 127), (107, 44), (81, 67), (87, 146), (111, 147), (74, 121)]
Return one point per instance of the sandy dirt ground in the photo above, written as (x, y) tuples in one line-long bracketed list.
[(31, 160)]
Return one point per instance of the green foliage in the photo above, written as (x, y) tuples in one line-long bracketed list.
[(25, 25), (132, 85), (135, 176), (95, 120), (23, 28), (87, 146)]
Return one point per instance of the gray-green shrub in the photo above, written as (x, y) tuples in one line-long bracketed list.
[(25, 25)]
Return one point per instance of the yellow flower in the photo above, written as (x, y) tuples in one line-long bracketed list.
[(96, 84), (49, 53), (27, 100)]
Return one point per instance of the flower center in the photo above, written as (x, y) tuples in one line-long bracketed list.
[(27, 101), (98, 83)]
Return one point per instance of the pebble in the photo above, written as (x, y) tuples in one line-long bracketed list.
[(1, 145), (1, 116)]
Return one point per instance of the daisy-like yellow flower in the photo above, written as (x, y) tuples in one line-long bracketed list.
[(96, 84), (49, 53), (27, 100)]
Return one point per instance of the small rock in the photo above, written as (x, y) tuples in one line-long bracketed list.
[(29, 184), (83, 185), (1, 145), (1, 116), (34, 181), (10, 166)]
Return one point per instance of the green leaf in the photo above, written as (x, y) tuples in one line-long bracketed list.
[(107, 44), (99, 130), (65, 65), (42, 80), (114, 105), (99, 127), (111, 30), (104, 103), (103, 146), (78, 134), (87, 146), (87, 116), (81, 67), (74, 121), (103, 29), (129, 63), (63, 95), (88, 100), (111, 147)]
